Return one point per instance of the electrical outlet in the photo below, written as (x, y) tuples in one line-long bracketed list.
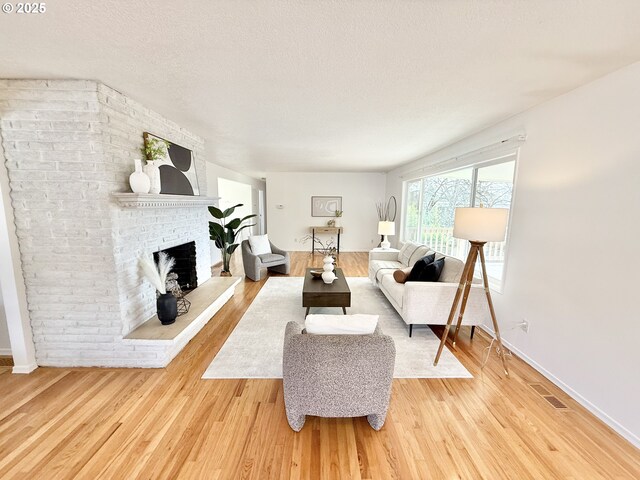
[(524, 326)]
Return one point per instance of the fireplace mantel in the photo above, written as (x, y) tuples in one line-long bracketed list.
[(149, 200)]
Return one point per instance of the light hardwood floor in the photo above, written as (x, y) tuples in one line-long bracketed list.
[(167, 423)]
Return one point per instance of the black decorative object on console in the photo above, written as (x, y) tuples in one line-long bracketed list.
[(173, 287)]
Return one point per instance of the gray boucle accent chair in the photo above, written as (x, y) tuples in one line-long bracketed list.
[(276, 261), (337, 375)]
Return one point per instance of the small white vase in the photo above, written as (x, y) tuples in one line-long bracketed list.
[(138, 180), (152, 170), (328, 264), (328, 276)]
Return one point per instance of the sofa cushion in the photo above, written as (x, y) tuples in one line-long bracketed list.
[(393, 289), (431, 272), (259, 244), (420, 252), (379, 267), (401, 274), (406, 251), (452, 270), (419, 266), (357, 324), (271, 257)]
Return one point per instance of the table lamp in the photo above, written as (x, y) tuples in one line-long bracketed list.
[(479, 226), (386, 228)]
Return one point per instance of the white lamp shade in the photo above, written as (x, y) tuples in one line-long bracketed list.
[(386, 228), (481, 224)]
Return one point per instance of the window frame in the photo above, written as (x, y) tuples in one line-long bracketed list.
[(506, 157)]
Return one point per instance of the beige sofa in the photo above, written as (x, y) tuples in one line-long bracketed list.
[(425, 303)]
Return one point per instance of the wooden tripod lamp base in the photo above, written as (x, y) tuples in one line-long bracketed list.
[(489, 224)]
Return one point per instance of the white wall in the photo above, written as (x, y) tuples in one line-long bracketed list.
[(5, 345), (232, 193), (214, 172), (359, 192), (572, 261)]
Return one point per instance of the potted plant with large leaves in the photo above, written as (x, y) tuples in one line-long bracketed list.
[(224, 233)]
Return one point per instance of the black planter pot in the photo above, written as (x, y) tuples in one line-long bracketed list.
[(167, 307)]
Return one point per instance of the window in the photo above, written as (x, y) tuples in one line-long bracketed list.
[(430, 204)]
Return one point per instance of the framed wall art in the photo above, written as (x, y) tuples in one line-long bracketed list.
[(177, 169), (325, 206)]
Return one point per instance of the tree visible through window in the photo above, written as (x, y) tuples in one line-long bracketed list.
[(494, 189), (430, 204)]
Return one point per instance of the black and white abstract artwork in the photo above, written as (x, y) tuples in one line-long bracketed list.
[(177, 170)]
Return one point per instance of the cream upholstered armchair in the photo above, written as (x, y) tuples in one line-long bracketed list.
[(276, 261)]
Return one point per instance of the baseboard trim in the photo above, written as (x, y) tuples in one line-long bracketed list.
[(616, 426), (24, 369), (5, 352)]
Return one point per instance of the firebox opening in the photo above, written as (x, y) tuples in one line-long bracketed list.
[(185, 267)]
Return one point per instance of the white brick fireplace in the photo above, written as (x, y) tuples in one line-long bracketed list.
[(69, 146), (146, 227)]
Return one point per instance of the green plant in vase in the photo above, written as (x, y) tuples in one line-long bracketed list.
[(336, 221), (154, 149), (224, 233)]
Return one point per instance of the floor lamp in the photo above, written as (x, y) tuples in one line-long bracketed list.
[(479, 226)]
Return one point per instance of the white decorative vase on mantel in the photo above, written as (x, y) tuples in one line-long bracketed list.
[(153, 172), (138, 180)]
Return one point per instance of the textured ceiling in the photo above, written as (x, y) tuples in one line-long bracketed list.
[(326, 85)]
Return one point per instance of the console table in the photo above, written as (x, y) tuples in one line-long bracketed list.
[(325, 230)]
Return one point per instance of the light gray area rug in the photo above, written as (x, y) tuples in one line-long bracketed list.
[(254, 348)]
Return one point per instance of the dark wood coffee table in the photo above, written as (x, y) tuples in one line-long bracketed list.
[(316, 293)]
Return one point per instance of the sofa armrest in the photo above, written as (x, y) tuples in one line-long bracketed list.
[(430, 303), (278, 251), (424, 288), (248, 258), (391, 255), (292, 328)]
